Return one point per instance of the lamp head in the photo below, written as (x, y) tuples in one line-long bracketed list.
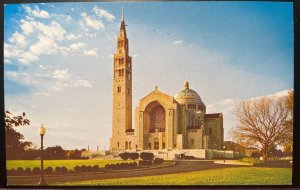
[(42, 130)]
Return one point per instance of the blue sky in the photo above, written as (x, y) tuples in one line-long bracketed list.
[(58, 59)]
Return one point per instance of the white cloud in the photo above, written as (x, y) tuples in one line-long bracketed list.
[(72, 36), (36, 12), (103, 13), (177, 42), (44, 45), (11, 51), (21, 77), (26, 27), (91, 22), (78, 46), (27, 57), (61, 74), (91, 52), (41, 94), (18, 39), (82, 83)]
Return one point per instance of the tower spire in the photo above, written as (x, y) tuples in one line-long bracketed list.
[(123, 22)]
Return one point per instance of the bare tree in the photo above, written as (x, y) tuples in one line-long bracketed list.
[(262, 123)]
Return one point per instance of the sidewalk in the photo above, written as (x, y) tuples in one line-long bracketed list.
[(232, 162)]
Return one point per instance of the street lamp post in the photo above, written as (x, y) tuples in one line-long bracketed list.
[(42, 133), (224, 152)]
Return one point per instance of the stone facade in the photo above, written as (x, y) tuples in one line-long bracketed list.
[(162, 122)]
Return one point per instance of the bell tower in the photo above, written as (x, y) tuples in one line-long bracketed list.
[(122, 92)]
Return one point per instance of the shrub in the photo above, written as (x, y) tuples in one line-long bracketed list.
[(124, 155), (96, 168), (107, 166), (89, 169), (158, 160), (36, 171), (11, 172), (49, 170), (83, 168), (134, 164), (58, 169), (64, 169), (20, 171), (27, 171), (77, 168), (145, 162), (134, 155), (146, 155)]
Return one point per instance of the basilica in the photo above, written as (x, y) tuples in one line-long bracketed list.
[(162, 121)]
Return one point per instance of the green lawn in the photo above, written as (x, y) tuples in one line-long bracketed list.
[(70, 164), (226, 176)]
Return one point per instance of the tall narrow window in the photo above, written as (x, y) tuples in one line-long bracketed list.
[(121, 72), (128, 91), (129, 76), (210, 131), (119, 89), (121, 61)]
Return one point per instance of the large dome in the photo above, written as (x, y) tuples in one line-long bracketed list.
[(187, 95)]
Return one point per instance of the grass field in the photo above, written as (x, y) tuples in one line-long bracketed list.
[(226, 176), (70, 164)]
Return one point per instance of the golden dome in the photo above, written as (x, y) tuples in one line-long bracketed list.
[(187, 95)]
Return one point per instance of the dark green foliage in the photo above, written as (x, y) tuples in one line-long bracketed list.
[(83, 168), (146, 155), (89, 169), (121, 166), (64, 169), (158, 160), (54, 153), (27, 171), (145, 162), (11, 172), (57, 169), (36, 171), (15, 146), (77, 168), (20, 171), (96, 168), (48, 170), (124, 155), (133, 155)]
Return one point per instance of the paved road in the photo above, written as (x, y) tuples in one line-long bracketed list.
[(178, 167)]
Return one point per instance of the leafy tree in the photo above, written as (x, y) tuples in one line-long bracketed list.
[(54, 153), (74, 154), (15, 146), (262, 123)]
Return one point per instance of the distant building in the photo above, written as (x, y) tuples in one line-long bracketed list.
[(162, 122)]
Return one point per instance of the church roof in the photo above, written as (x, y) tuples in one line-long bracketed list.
[(213, 115), (187, 95), (194, 127)]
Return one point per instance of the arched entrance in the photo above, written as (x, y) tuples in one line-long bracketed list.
[(154, 125)]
